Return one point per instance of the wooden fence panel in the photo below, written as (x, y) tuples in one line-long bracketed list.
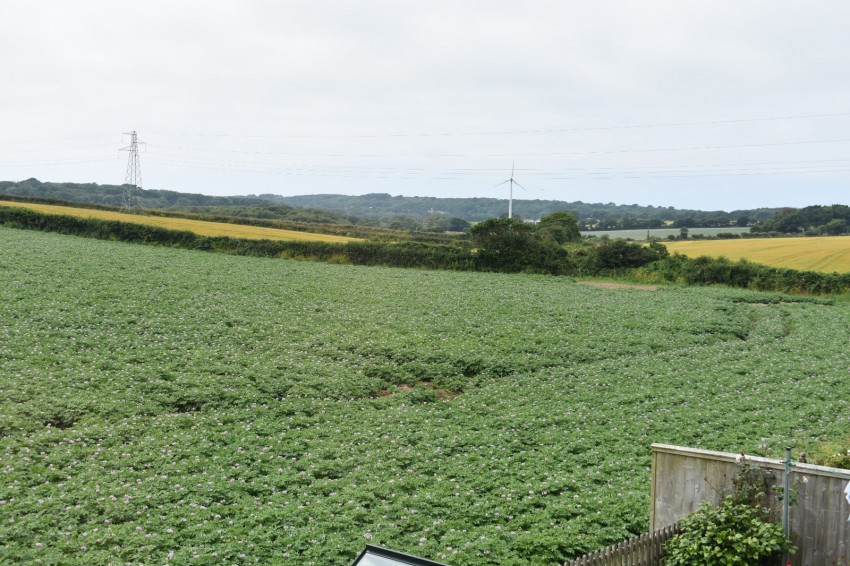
[(643, 550), (682, 478)]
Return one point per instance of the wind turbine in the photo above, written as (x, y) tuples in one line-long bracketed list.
[(511, 193)]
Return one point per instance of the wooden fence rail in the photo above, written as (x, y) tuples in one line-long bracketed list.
[(643, 550)]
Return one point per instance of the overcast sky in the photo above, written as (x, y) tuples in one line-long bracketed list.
[(694, 104)]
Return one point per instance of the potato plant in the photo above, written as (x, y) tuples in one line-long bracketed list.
[(166, 406)]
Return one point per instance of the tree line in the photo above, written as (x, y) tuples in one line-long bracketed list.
[(590, 216), (418, 214), (112, 196), (812, 221)]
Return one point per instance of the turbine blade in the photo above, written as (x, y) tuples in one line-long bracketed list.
[(502, 183)]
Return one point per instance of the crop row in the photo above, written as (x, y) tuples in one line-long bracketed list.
[(163, 405)]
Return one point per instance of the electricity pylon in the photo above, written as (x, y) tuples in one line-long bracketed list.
[(132, 200)]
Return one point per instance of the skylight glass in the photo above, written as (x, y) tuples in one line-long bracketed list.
[(377, 556)]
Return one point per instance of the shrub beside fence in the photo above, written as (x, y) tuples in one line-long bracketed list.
[(643, 550)]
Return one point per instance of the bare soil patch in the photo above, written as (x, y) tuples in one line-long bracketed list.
[(603, 285), (442, 394)]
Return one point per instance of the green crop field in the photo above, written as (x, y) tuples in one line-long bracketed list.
[(167, 406)]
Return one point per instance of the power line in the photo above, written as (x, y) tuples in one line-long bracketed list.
[(511, 132), (235, 164), (504, 155), (50, 163), (44, 150), (580, 175), (43, 140), (736, 164), (685, 176)]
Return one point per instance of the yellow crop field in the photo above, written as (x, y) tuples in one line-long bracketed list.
[(826, 254), (199, 227)]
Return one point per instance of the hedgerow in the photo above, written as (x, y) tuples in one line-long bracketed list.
[(524, 252)]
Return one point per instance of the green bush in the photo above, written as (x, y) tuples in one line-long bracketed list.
[(728, 535)]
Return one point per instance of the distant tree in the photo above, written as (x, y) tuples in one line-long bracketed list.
[(443, 223), (787, 220), (504, 243), (607, 221), (743, 221), (619, 254), (683, 233), (367, 222), (455, 224), (835, 227), (401, 222), (628, 221), (435, 223), (560, 226), (502, 234)]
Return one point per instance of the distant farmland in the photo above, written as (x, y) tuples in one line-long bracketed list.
[(662, 233), (199, 227), (825, 254)]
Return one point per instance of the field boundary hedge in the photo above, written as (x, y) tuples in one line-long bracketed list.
[(347, 230), (615, 258), (404, 254), (742, 273)]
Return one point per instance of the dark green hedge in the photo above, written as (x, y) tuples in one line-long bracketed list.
[(404, 254), (721, 271)]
